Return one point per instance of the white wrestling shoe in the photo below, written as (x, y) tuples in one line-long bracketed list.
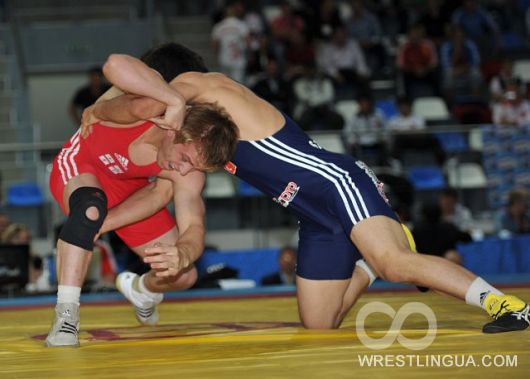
[(144, 305), (65, 327)]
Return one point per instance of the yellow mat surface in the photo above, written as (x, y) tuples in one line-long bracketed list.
[(261, 338)]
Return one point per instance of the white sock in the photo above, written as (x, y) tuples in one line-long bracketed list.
[(366, 268), (68, 294), (478, 291), (141, 288)]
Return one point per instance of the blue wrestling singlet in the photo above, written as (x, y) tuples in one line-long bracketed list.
[(328, 192)]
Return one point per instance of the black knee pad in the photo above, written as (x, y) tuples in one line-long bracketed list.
[(78, 229)]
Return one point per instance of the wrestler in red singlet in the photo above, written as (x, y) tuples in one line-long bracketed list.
[(105, 154)]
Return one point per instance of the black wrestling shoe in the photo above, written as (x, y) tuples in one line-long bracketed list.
[(506, 318)]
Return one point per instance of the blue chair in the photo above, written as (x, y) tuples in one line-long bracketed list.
[(426, 178), (245, 189), (387, 107), (452, 141), (24, 195)]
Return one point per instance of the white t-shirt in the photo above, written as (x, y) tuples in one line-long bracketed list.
[(518, 114), (332, 58), (231, 33), (404, 123)]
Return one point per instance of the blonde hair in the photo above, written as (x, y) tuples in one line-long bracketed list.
[(214, 131), (12, 231)]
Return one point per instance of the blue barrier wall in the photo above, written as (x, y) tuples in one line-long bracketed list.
[(498, 256), (490, 256), (251, 264)]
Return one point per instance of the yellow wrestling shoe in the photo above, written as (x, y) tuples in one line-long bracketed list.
[(510, 313)]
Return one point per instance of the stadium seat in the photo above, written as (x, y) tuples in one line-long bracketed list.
[(431, 108), (24, 195), (347, 109), (387, 107), (247, 190), (521, 68), (219, 185), (426, 177), (329, 141), (452, 141), (466, 175), (475, 139)]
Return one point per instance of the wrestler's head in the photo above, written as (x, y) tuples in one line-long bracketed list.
[(172, 59), (206, 141)]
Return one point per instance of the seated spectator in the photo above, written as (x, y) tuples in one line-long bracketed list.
[(315, 96), (479, 26), (514, 110), (366, 134), (4, 223), (230, 38), (343, 60), (417, 61), (19, 234), (434, 236), (454, 212), (365, 28), (258, 44), (396, 19), (498, 83), (272, 87), (88, 94), (405, 120), (514, 219), (460, 63), (434, 21), (16, 234), (300, 54), (287, 269), (283, 28), (327, 18)]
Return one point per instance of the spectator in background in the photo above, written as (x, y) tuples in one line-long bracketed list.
[(230, 41), (4, 223), (434, 236), (454, 212), (460, 63), (16, 234), (498, 83), (315, 96), (514, 110), (515, 219), (343, 60), (364, 27), (396, 19), (434, 21), (417, 61), (326, 20), (300, 54), (272, 87), (258, 46), (287, 268), (405, 120), (19, 234), (406, 124), (365, 135), (87, 95), (478, 25), (283, 28)]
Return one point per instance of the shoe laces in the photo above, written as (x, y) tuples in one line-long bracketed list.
[(523, 314)]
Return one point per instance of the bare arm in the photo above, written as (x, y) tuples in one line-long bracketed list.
[(140, 205), (189, 208)]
